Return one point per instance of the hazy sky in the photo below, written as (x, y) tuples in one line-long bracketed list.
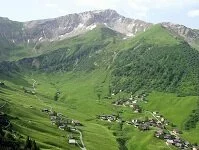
[(177, 11)]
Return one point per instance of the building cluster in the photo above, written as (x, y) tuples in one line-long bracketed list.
[(160, 123), (147, 124), (132, 102), (172, 139), (64, 123), (109, 118)]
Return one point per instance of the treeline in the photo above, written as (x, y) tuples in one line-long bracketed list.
[(193, 119), (10, 140)]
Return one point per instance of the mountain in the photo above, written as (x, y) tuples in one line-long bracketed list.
[(74, 24), (190, 35), (27, 37), (69, 25), (50, 84), (158, 61), (153, 60)]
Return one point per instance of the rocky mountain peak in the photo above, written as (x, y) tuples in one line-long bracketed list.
[(188, 34), (74, 24)]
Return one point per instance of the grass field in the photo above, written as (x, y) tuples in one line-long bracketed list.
[(79, 100)]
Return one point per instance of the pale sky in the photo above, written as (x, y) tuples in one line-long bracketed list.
[(184, 12)]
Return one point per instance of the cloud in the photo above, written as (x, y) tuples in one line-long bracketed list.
[(63, 11), (193, 13), (51, 5), (97, 4), (142, 8)]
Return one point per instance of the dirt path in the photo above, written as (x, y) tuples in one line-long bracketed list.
[(33, 85)]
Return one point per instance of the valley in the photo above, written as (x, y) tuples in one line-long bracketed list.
[(85, 106), (100, 89)]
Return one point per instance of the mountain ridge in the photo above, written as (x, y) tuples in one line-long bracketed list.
[(24, 39)]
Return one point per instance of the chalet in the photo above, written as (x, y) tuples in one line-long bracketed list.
[(134, 121), (73, 129), (62, 127), (134, 102), (72, 141), (110, 118), (159, 133), (128, 123), (131, 106), (144, 127), (169, 141), (53, 122), (167, 136), (53, 118), (195, 148), (59, 114), (176, 131), (119, 120), (67, 121), (187, 144), (178, 144), (76, 123), (155, 112), (177, 140), (103, 117), (162, 119), (127, 103)]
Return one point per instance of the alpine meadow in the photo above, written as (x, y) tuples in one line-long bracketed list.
[(97, 80)]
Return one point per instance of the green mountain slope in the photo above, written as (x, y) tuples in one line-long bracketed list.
[(152, 60), (157, 61), (87, 69), (83, 52)]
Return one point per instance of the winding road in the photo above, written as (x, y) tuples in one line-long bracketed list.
[(81, 139), (80, 133), (160, 122), (33, 85)]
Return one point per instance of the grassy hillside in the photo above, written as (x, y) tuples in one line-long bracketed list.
[(85, 70), (79, 100), (36, 124), (157, 61)]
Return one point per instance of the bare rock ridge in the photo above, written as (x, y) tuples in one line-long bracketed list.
[(71, 25), (188, 34), (74, 24)]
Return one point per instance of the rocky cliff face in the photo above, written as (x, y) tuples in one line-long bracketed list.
[(70, 25), (188, 34), (35, 32)]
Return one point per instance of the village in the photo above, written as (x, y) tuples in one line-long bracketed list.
[(158, 122), (68, 125), (132, 102)]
